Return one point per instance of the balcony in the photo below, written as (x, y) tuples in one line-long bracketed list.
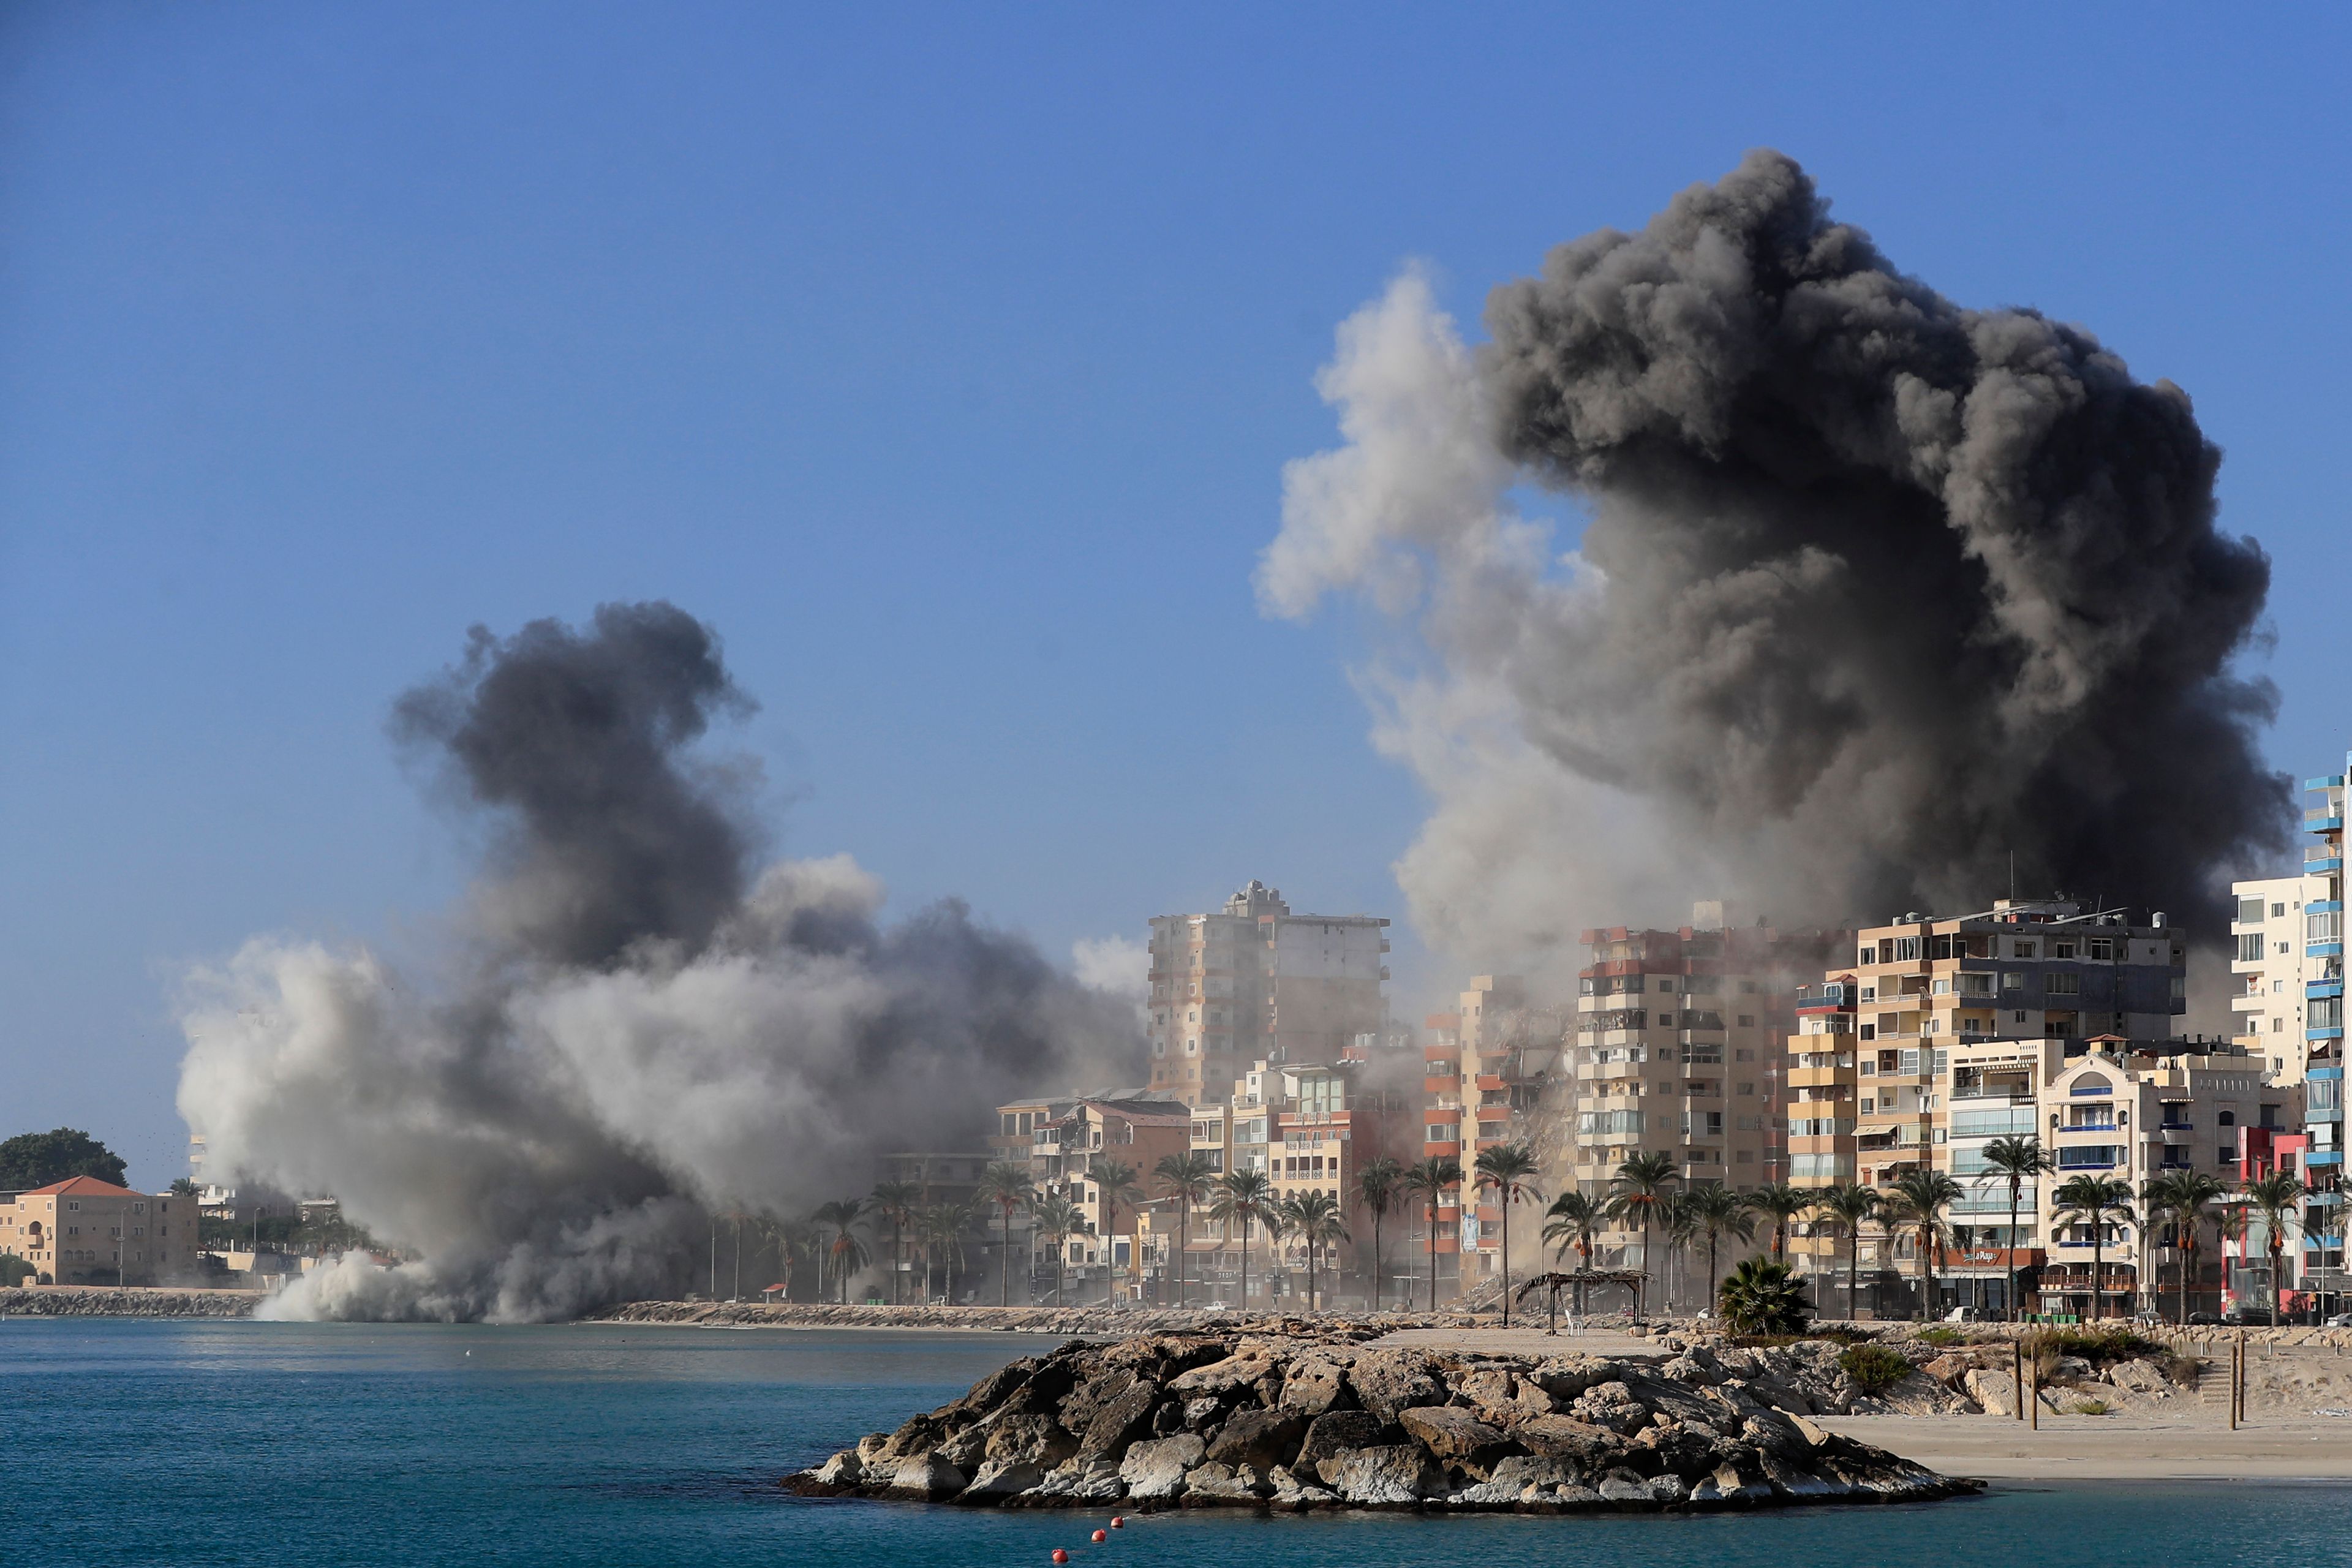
[(2010, 1091), (2089, 1127)]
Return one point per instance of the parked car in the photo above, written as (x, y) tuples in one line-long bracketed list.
[(2205, 1320), (2340, 1321), (1968, 1315), (2244, 1317)]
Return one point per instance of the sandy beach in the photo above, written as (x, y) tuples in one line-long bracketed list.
[(2112, 1448)]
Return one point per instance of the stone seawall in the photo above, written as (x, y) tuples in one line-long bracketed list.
[(1115, 1321), (97, 1302), (1317, 1418)]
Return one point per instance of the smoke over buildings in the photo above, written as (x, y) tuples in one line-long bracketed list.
[(1876, 591), (635, 1027)]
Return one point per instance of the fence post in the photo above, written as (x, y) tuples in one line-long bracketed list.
[(2018, 1346)]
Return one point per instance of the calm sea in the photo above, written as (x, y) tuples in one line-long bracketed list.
[(183, 1444)]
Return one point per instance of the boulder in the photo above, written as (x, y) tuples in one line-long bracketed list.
[(1154, 1470), (1392, 1475), (1335, 1433), (1214, 1483), (1290, 1492), (1728, 1485), (1228, 1376), (1389, 1381), (1094, 1395), (1565, 1377), (1000, 1478), (1455, 1436), (1201, 1411), (2139, 1376), (1566, 1441), (1038, 1439), (1316, 1384), (1118, 1423), (1610, 1404), (925, 1476), (1994, 1392), (1487, 1390), (843, 1469), (1520, 1472), (1260, 1438)]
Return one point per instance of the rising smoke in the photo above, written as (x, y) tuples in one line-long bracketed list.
[(636, 1030), (1875, 590)]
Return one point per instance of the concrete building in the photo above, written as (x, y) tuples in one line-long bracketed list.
[(83, 1231), (1254, 982), (1065, 1138)]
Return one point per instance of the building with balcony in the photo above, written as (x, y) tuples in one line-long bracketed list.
[(1057, 1138), (1254, 982), (83, 1231)]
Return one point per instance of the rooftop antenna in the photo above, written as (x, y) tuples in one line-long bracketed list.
[(2013, 876)]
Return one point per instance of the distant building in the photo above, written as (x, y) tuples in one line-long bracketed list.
[(83, 1231), (1252, 981), (1057, 1139)]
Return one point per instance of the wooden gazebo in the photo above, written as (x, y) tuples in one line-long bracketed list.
[(1551, 1285)]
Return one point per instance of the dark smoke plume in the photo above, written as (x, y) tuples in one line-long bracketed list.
[(642, 1031), (1876, 590)]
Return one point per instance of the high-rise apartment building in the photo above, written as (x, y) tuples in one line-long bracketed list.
[(1254, 982)]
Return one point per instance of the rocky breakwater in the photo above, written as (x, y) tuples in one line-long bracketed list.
[(90, 1301), (1301, 1422)]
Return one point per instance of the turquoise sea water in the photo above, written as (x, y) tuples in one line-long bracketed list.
[(184, 1444)]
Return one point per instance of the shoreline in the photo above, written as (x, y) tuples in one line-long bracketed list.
[(2109, 1448)]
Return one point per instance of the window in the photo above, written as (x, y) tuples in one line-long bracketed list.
[(2278, 911), (1907, 949), (2249, 911), (2225, 1119), (1608, 1124), (1976, 984), (1747, 1020), (2012, 979), (2063, 984), (2023, 947), (2103, 949), (1869, 955)]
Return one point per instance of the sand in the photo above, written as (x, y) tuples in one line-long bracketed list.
[(2115, 1447)]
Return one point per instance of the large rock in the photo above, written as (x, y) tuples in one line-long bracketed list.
[(1488, 1390), (1395, 1475), (1994, 1392), (1217, 1484), (1000, 1478), (1118, 1423), (1335, 1433), (2139, 1376), (1316, 1384), (1567, 1441), (925, 1476), (1154, 1470), (1260, 1438), (1037, 1439), (1390, 1381), (1246, 1368), (1095, 1394), (1455, 1436)]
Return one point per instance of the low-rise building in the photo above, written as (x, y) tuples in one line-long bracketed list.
[(83, 1231)]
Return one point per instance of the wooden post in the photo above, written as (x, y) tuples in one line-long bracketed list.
[(2035, 1409), (2235, 1347), (2019, 1347)]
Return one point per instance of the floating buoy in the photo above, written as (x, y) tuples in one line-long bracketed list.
[(1118, 1521), (1102, 1535), (1060, 1555)]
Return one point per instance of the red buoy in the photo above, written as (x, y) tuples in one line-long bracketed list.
[(1118, 1521), (1060, 1555), (1102, 1535)]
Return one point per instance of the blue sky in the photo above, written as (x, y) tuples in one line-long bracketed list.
[(945, 360)]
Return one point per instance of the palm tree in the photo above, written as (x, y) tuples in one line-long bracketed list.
[(1316, 1219), (1431, 1177), (2015, 1161), (895, 1201), (1007, 1184), (1378, 1185), (1780, 1202), (1507, 1169), (1677, 1228), (1117, 1181), (1185, 1180), (1058, 1219), (2095, 1199), (1240, 1198), (1852, 1206), (790, 1239), (1761, 1296), (1718, 1212), (1638, 1192), (2182, 1197), (2278, 1198), (846, 1250), (1571, 1221), (939, 1229), (1921, 1196)]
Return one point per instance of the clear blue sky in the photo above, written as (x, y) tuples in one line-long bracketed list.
[(946, 360)]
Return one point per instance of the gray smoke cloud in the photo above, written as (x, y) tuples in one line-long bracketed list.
[(635, 1029), (1875, 590)]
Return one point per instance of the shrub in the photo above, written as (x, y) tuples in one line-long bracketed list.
[(1874, 1368), (2089, 1407), (1761, 1296), (1940, 1336)]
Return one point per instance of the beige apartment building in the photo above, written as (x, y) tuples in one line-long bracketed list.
[(83, 1231), (1682, 1049), (1254, 982), (1059, 1139)]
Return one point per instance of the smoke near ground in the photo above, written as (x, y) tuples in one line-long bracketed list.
[(634, 1028), (1876, 591)]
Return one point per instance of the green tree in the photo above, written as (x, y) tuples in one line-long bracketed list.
[(939, 1233), (1853, 1206), (1058, 1219), (1117, 1181), (2015, 1162), (1920, 1198), (1242, 1196), (1637, 1195), (182, 1187), (39, 1159), (1377, 1187), (1780, 1202), (896, 1202), (1509, 1169), (845, 1252), (1431, 1177), (2095, 1199), (2278, 1198), (1718, 1212), (1007, 1184), (1573, 1220), (1315, 1219), (1185, 1180), (2184, 1197), (1761, 1296)]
